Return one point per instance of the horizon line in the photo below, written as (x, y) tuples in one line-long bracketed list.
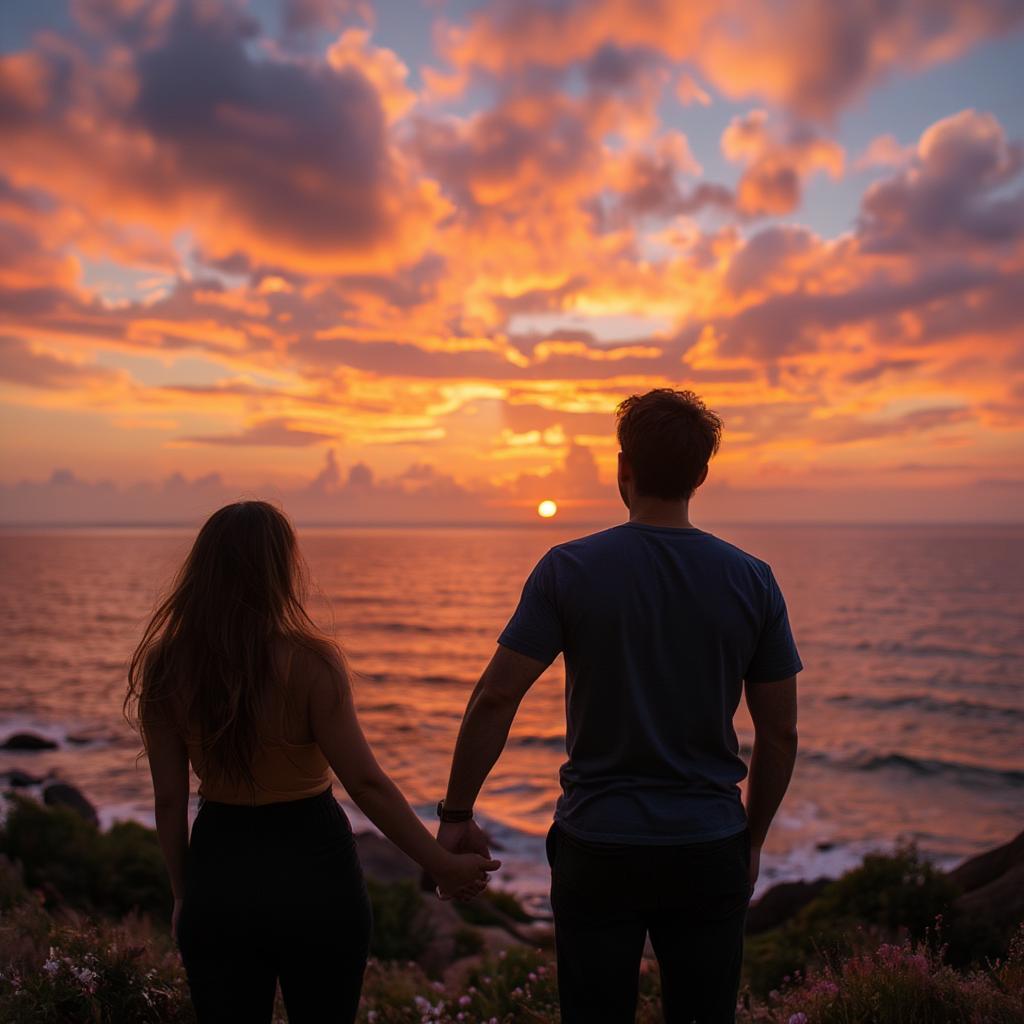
[(545, 524)]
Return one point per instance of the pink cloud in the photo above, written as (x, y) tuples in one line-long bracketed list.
[(952, 192)]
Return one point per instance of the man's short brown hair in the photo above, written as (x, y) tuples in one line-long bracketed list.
[(668, 437)]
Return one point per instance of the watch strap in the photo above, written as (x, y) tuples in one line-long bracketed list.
[(452, 816)]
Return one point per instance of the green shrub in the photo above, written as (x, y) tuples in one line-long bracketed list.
[(401, 927), (492, 906), (89, 971), (888, 896), (74, 864), (508, 985), (468, 942), (12, 884), (900, 984)]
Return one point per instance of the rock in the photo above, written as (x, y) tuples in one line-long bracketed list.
[(780, 903), (383, 861), (27, 741), (78, 740), (60, 794), (444, 923), (985, 868), (1000, 903), (20, 780)]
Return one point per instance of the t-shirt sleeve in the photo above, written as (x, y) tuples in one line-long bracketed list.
[(535, 628), (776, 656)]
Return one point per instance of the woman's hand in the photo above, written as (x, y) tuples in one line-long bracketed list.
[(462, 875)]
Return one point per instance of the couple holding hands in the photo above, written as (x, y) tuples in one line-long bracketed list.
[(664, 627)]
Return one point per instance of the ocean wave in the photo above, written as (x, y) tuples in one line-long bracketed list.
[(956, 771), (935, 650), (960, 708), (935, 766), (417, 628)]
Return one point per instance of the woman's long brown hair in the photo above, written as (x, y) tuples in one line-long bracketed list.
[(207, 659)]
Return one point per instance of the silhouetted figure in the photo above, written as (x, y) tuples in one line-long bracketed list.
[(661, 625), (233, 676)]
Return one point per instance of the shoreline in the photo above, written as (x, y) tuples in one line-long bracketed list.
[(525, 874)]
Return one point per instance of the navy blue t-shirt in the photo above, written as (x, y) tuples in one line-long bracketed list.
[(660, 626)]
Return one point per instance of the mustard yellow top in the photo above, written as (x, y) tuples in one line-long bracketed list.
[(288, 764), (282, 771)]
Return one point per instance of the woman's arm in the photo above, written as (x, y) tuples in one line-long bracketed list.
[(168, 765), (339, 735)]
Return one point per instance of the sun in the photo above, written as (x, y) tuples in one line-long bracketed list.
[(546, 509)]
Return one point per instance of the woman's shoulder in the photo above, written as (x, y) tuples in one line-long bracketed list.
[(311, 661)]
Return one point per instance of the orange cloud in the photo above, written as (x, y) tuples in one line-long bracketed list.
[(287, 248), (776, 162)]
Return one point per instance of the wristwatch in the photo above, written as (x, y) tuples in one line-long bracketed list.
[(452, 816)]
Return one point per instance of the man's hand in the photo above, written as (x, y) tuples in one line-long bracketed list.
[(463, 837)]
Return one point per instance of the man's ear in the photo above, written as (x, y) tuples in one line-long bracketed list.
[(625, 469), (703, 476)]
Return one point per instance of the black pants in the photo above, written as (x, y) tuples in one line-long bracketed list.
[(691, 899), (274, 893)]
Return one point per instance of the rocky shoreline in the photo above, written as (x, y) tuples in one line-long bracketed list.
[(990, 885)]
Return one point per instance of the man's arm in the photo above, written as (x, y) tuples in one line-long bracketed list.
[(482, 736), (772, 708)]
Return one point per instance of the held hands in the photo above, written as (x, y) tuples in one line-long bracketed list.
[(463, 875), (467, 844)]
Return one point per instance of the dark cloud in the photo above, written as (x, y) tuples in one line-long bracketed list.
[(270, 433), (299, 149), (784, 324), (953, 193)]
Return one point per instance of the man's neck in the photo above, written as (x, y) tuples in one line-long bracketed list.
[(656, 512)]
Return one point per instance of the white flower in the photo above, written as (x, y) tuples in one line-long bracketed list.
[(421, 1004), (51, 966), (798, 1018), (371, 1016), (464, 1000)]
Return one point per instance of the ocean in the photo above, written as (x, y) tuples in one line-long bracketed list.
[(911, 701)]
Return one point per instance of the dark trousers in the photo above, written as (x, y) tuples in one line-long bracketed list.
[(691, 899), (274, 893)]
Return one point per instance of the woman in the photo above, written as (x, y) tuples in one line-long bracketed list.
[(233, 676)]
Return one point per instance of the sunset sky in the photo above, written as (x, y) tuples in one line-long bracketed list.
[(400, 261)]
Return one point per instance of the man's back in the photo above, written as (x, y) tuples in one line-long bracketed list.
[(659, 627)]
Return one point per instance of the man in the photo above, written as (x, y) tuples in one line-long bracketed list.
[(663, 626)]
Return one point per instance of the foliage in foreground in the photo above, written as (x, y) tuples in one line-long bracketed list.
[(909, 983), (73, 864), (888, 898), (64, 967), (862, 953)]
